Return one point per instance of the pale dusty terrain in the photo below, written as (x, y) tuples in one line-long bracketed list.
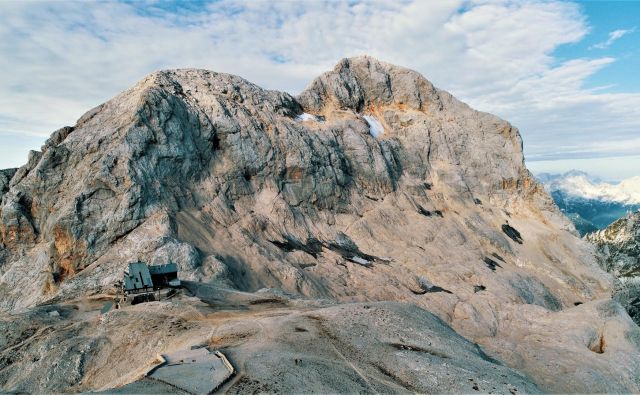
[(409, 239), (276, 346)]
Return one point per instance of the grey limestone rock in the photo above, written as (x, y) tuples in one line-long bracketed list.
[(5, 178)]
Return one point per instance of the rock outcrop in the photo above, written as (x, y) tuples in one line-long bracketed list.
[(619, 248), (5, 178), (256, 189)]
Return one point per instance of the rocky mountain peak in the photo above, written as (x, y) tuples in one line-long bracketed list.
[(371, 185), (361, 83), (394, 98)]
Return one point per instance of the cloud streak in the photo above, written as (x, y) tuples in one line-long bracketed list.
[(613, 37), (59, 59)]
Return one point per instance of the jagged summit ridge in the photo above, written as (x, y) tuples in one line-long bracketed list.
[(220, 176)]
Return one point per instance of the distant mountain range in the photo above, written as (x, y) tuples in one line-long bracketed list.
[(589, 202)]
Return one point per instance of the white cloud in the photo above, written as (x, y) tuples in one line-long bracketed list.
[(579, 184), (606, 168), (59, 59), (613, 36)]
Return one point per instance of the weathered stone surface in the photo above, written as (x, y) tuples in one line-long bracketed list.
[(78, 350), (223, 177), (618, 246), (302, 349), (380, 347), (5, 178)]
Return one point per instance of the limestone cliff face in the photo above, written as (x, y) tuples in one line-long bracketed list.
[(255, 188)]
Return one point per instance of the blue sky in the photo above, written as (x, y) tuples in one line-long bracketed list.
[(565, 73), (603, 18), (613, 32)]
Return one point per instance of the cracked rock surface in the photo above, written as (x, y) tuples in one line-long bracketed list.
[(229, 181)]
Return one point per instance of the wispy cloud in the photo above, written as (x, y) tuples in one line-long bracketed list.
[(59, 59), (613, 36)]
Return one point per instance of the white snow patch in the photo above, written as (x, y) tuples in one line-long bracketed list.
[(375, 127), (304, 117), (360, 261), (425, 283)]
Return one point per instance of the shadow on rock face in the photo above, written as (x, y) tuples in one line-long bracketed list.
[(312, 247), (532, 291), (512, 233), (491, 264)]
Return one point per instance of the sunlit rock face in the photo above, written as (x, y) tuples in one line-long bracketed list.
[(371, 185)]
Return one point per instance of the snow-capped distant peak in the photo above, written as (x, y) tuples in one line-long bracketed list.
[(580, 184)]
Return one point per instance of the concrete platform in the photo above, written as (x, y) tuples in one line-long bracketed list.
[(145, 386), (196, 371)]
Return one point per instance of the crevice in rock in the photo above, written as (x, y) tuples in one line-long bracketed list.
[(406, 347), (512, 233), (598, 346), (386, 372), (424, 211), (427, 286), (306, 265), (479, 288), (491, 264), (486, 357), (312, 247), (267, 301), (344, 246)]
